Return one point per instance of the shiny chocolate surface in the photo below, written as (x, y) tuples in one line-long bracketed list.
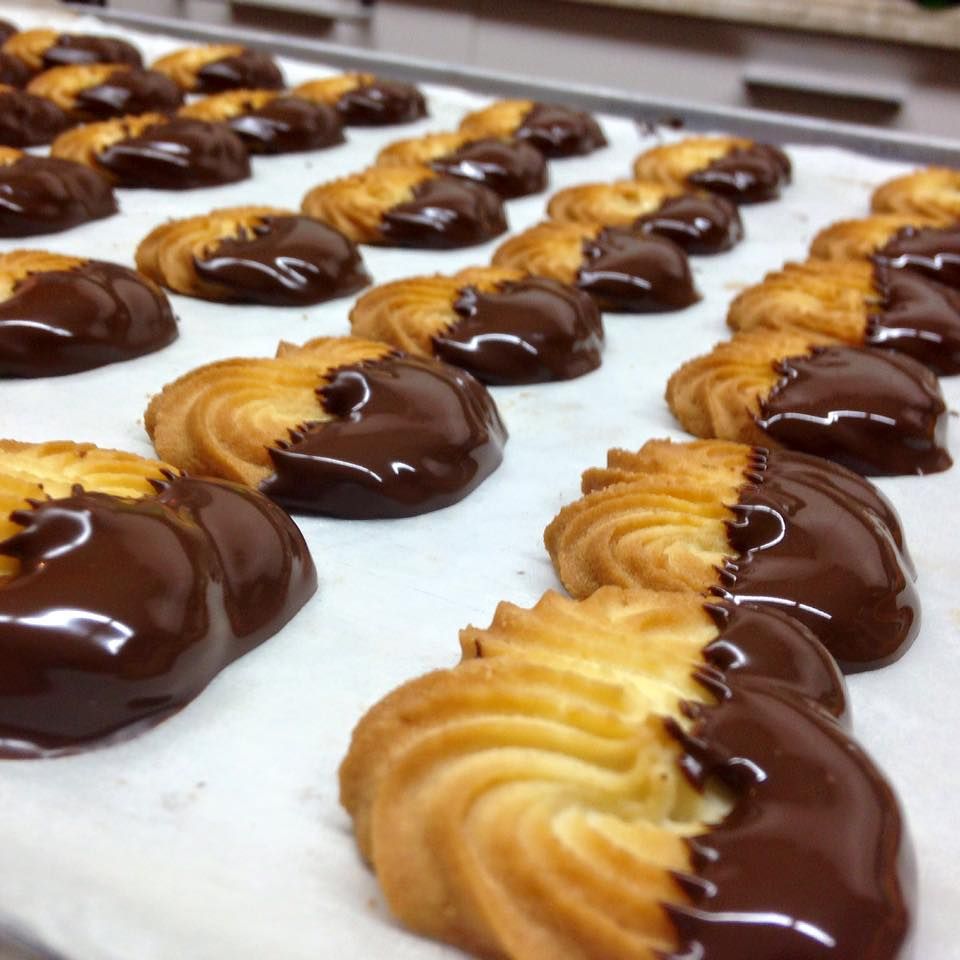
[(751, 174), (918, 317), (526, 331), (180, 154), (444, 213), (381, 103), (128, 92), (288, 125), (285, 261), (27, 120), (814, 861), (820, 543), (636, 273), (46, 195), (875, 411), (74, 48), (932, 251), (698, 224), (124, 610), (558, 131), (511, 168), (63, 321), (409, 436), (250, 70)]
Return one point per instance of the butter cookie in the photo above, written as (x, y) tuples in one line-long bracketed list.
[(44, 48), (220, 66), (366, 100)]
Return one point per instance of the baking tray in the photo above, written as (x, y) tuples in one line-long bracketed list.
[(218, 834)]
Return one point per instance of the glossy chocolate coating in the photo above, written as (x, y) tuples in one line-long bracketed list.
[(124, 610), (526, 331), (27, 120), (511, 168), (932, 251), (249, 70), (445, 213), (288, 125), (636, 273), (814, 861), (73, 48), (63, 321), (751, 174), (697, 224), (13, 71), (179, 154), (128, 92), (287, 261), (876, 411), (410, 436), (919, 317), (558, 131), (381, 103), (815, 540), (47, 195)]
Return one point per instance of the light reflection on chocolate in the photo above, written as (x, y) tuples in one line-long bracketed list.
[(444, 213), (381, 103), (526, 331), (250, 70), (626, 271), (559, 131), (751, 174), (511, 168), (128, 92), (288, 261), (875, 411), (698, 224), (88, 654), (64, 321), (410, 436), (76, 48), (931, 251), (288, 125)]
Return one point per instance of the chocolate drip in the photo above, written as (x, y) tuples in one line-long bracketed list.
[(410, 436), (751, 174), (124, 610), (75, 48), (179, 154), (697, 224), (289, 125), (817, 541), (249, 70), (526, 331), (932, 251), (920, 318), (13, 71), (875, 411), (511, 168), (813, 862), (285, 261), (444, 213), (63, 321), (128, 92), (27, 120), (629, 272), (558, 131), (47, 195), (381, 103)]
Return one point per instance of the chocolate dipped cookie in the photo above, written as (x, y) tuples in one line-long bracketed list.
[(741, 170), (877, 412), (27, 120), (622, 270), (152, 150), (220, 66), (44, 48), (252, 255), (763, 527), (340, 426), (366, 100), (626, 776), (555, 130), (500, 325), (410, 206), (91, 539), (700, 223)]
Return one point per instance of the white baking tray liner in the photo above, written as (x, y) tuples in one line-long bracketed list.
[(219, 833)]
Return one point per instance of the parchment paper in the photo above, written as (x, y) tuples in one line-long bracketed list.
[(219, 834)]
